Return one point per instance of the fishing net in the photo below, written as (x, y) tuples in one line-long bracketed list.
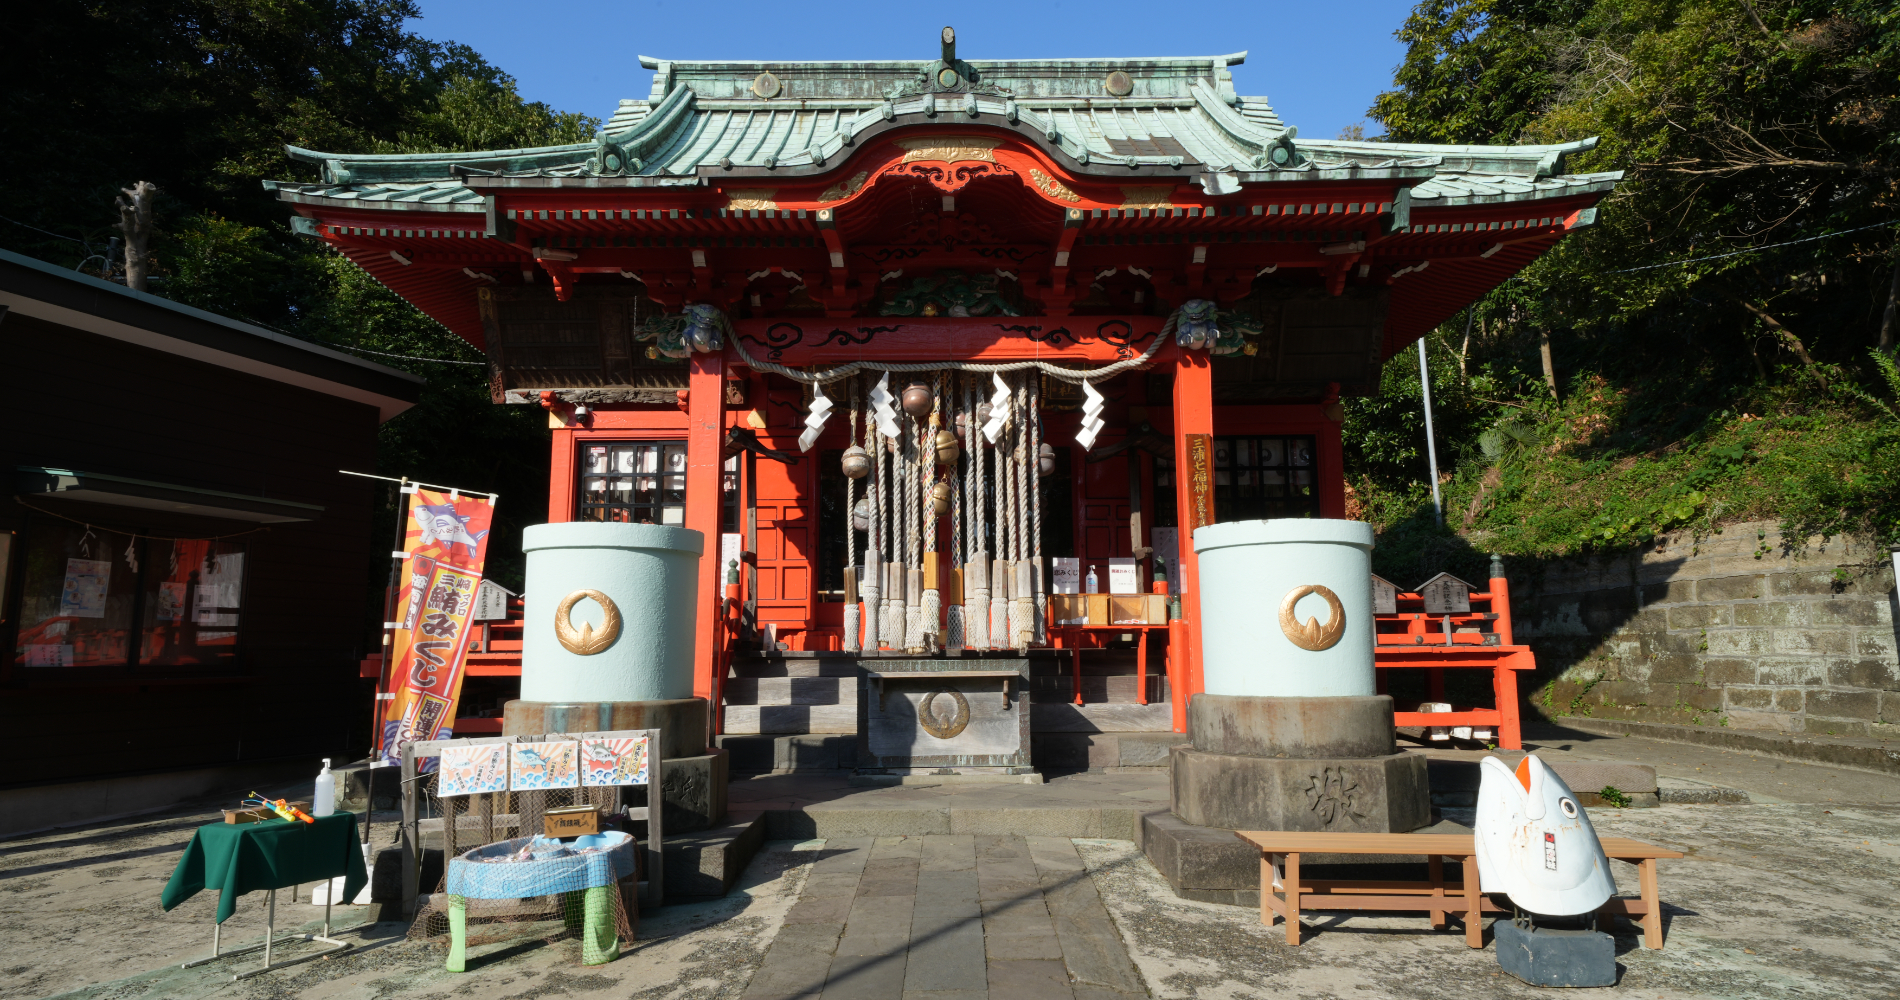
[(553, 893)]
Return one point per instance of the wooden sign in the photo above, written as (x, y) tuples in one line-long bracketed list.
[(1445, 595), (1385, 596), (573, 821), (1200, 481)]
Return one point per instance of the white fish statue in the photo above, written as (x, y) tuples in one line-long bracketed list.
[(1535, 844)]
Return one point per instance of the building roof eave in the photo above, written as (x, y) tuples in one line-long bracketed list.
[(34, 288)]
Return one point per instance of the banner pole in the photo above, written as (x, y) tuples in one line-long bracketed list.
[(389, 638)]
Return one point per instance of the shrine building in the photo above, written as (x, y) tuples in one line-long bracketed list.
[(1045, 309)]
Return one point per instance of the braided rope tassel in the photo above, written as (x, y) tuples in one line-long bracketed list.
[(913, 541), (873, 583), (933, 567), (852, 641), (976, 568), (1022, 605), (1039, 568), (953, 610), (1002, 630)]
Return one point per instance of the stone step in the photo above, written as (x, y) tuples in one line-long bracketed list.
[(1111, 689), (1089, 717), (801, 806), (790, 753), (1102, 751), (746, 719), (758, 667), (791, 691)]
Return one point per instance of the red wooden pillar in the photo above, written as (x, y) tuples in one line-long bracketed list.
[(1193, 415), (705, 426)]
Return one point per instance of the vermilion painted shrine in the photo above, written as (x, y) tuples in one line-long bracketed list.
[(672, 291)]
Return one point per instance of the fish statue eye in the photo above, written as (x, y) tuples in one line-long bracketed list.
[(1569, 807)]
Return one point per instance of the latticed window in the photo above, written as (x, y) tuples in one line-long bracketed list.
[(644, 482), (1262, 477), (1254, 478)]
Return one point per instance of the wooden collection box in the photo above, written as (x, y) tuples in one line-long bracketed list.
[(1068, 609)]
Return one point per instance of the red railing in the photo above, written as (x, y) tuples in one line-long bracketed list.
[(1480, 639)]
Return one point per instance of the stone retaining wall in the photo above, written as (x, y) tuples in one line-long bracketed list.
[(1744, 629)]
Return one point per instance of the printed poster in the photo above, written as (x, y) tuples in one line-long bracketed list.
[(472, 770), (446, 542), (1066, 575), (171, 602), (533, 766), (84, 595), (620, 761)]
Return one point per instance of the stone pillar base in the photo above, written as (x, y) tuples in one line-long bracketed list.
[(1252, 725), (1385, 794), (696, 775)]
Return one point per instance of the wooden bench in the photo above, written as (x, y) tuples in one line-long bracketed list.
[(1284, 894)]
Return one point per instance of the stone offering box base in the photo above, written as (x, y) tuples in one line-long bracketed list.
[(1386, 794), (1284, 764)]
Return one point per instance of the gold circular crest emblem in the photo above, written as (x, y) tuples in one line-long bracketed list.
[(1311, 634), (585, 641), (767, 85), (938, 726)]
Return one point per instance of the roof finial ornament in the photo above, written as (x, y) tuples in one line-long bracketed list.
[(949, 46)]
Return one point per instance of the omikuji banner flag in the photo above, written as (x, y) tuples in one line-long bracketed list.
[(446, 541)]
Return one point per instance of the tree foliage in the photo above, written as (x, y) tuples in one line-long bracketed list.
[(200, 97), (1727, 297)]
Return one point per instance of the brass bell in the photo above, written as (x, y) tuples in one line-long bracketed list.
[(861, 515), (856, 462), (940, 498), (948, 450), (918, 400), (1045, 460)]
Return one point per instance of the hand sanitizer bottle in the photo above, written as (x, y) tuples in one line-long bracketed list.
[(1091, 584), (323, 797)]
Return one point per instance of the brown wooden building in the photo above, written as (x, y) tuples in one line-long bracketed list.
[(185, 570)]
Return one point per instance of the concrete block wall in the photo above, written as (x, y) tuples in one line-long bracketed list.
[(1745, 629)]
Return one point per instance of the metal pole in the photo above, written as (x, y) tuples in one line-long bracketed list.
[(1431, 446), (389, 635)]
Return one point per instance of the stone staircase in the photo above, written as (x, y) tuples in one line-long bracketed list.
[(796, 711)]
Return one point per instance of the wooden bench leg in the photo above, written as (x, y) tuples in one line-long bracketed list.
[(1435, 864), (1269, 883), (1652, 905), (1292, 910), (1474, 905)]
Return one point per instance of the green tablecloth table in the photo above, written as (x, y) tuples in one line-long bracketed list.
[(236, 858)]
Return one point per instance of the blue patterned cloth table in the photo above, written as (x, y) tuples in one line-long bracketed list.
[(590, 866)]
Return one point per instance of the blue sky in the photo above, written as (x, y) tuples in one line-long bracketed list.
[(1321, 64)]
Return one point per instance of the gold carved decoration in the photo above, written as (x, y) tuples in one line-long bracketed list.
[(586, 641), (1147, 196), (949, 149), (845, 189), (1311, 634), (944, 729), (753, 199), (1051, 187)]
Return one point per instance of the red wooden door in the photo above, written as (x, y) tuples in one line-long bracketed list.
[(785, 505)]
